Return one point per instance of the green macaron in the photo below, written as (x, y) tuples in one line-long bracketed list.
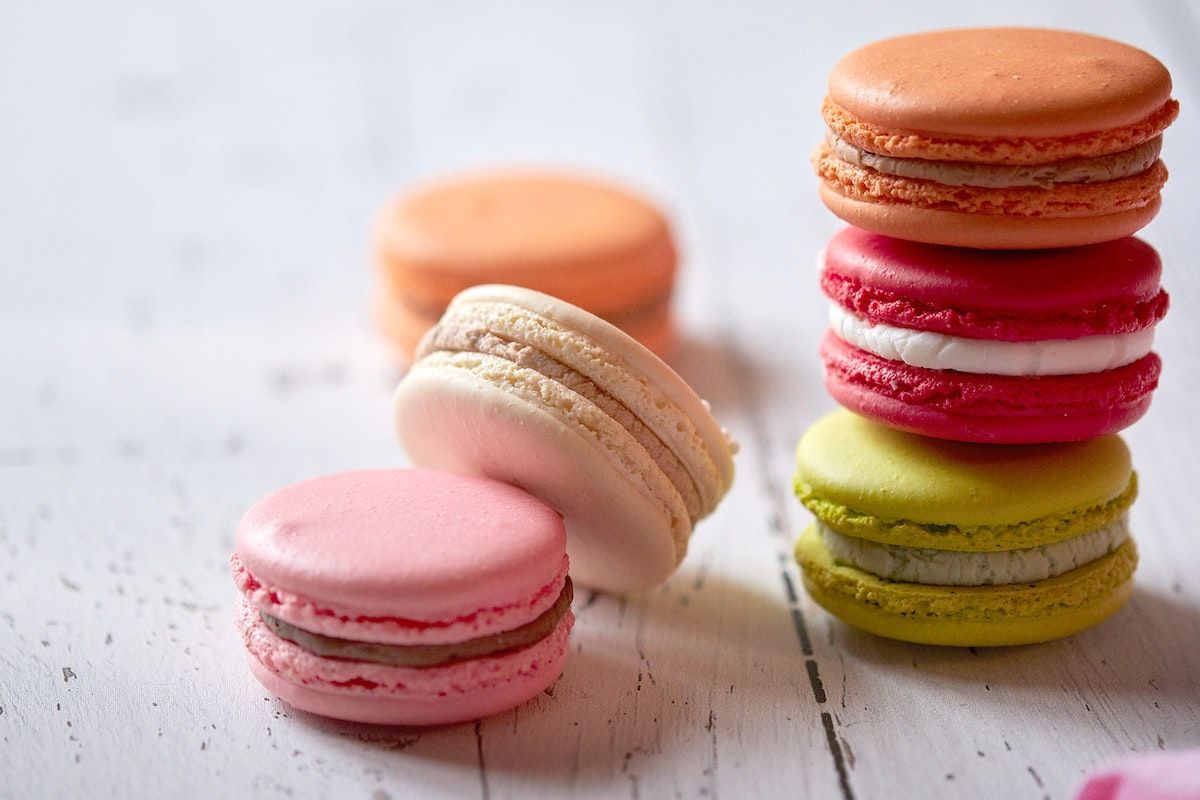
[(964, 544)]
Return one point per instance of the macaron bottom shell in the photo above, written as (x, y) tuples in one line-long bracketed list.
[(986, 231), (988, 408), (977, 616), (379, 695), (1014, 429)]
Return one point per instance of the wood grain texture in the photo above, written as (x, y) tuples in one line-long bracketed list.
[(184, 199)]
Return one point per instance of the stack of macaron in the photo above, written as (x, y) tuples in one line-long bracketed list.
[(991, 322), (588, 242), (441, 594)]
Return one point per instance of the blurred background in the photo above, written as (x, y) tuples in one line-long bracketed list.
[(186, 189)]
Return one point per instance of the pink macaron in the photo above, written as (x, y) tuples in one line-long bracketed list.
[(992, 346), (403, 596)]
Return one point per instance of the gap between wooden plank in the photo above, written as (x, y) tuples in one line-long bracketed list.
[(484, 792), (777, 521)]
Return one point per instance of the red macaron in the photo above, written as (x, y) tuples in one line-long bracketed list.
[(992, 346)]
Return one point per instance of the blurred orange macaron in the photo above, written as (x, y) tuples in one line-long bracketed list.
[(590, 243)]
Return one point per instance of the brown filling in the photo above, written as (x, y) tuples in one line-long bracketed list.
[(425, 655), (478, 340), (1064, 200), (1096, 169)]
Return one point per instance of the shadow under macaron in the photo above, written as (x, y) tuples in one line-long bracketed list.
[(730, 377), (651, 675), (1125, 653), (646, 676)]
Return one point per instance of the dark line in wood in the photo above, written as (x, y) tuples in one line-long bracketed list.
[(484, 791), (801, 631), (790, 588), (814, 680), (797, 615), (777, 522), (839, 761)]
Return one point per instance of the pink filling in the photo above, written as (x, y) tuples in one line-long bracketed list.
[(350, 624)]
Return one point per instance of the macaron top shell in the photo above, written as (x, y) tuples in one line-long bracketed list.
[(403, 543), (575, 236), (999, 82), (537, 219), (891, 475), (1106, 288), (631, 373)]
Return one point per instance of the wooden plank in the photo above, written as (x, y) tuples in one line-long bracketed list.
[(185, 201)]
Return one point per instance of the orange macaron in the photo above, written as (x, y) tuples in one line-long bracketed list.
[(591, 243), (996, 138)]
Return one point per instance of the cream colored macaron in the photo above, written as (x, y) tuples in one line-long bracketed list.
[(525, 388)]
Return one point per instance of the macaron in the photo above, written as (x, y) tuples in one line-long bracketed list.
[(524, 388), (996, 138), (955, 543), (1170, 775), (592, 243), (992, 346), (405, 597)]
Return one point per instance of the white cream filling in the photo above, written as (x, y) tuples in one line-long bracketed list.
[(952, 568), (1002, 176), (988, 357)]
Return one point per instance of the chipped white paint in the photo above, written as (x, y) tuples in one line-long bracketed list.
[(184, 196)]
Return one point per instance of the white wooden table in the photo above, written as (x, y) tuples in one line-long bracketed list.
[(184, 197)]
